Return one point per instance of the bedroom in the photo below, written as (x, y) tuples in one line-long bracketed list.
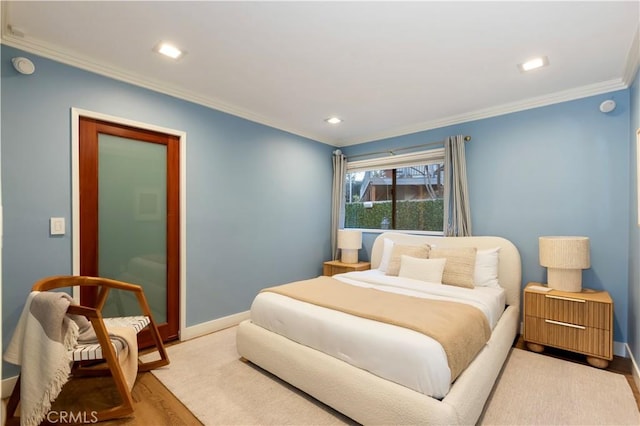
[(570, 169)]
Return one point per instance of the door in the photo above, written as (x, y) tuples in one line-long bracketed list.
[(129, 217)]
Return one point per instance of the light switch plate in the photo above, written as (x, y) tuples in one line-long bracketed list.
[(56, 226)]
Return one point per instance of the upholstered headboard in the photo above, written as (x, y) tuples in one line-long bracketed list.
[(509, 265)]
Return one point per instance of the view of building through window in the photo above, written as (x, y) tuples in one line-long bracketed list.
[(407, 198)]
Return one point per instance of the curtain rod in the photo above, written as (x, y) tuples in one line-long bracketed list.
[(394, 151)]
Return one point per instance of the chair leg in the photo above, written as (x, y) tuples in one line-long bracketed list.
[(159, 347), (155, 334), (12, 405), (126, 407)]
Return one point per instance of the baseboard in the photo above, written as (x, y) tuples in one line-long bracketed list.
[(621, 349), (213, 326), (635, 371)]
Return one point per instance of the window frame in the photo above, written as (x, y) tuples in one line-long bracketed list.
[(430, 156)]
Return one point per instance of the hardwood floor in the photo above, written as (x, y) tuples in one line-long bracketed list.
[(155, 405)]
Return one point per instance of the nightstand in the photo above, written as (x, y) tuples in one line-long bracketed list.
[(578, 322), (332, 267)]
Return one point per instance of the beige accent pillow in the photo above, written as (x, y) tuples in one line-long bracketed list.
[(460, 267), (421, 251), (429, 270)]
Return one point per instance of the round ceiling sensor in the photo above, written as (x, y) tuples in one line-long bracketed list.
[(608, 106), (23, 65)]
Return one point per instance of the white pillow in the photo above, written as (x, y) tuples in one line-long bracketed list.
[(421, 251), (386, 255), (486, 270), (429, 270)]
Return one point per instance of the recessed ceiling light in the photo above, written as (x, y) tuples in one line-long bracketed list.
[(333, 120), (169, 50), (534, 63)]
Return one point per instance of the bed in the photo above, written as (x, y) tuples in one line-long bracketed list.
[(323, 364)]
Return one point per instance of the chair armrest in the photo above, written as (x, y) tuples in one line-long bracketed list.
[(62, 281), (83, 310)]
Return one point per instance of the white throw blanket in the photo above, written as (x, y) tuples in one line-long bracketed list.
[(41, 345)]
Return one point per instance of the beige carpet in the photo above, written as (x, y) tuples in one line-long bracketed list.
[(208, 377), (535, 389)]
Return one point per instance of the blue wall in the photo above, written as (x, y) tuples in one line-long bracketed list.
[(556, 170), (560, 169), (634, 230), (258, 199)]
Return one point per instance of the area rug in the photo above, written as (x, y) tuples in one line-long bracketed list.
[(535, 389), (207, 375)]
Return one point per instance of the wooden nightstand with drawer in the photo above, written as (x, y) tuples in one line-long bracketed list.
[(332, 267), (578, 322)]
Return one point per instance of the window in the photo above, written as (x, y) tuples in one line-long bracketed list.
[(403, 192)]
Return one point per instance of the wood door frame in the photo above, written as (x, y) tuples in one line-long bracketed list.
[(76, 113)]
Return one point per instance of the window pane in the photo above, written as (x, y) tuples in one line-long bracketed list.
[(368, 199), (419, 203), (419, 190)]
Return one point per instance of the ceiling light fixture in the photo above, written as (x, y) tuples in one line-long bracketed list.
[(534, 63), (333, 120), (169, 50)]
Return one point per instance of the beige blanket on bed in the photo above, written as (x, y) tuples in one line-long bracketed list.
[(461, 329)]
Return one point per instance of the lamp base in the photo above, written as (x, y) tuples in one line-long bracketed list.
[(569, 280), (349, 256)]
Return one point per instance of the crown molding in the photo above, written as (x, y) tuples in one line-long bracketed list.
[(58, 54), (508, 108), (69, 58), (633, 59)]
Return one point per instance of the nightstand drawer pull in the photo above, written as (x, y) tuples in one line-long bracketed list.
[(564, 324), (565, 298)]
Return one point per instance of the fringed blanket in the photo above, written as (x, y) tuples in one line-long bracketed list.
[(41, 345)]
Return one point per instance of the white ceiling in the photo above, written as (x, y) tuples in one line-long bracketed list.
[(386, 68)]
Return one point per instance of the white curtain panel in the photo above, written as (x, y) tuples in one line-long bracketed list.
[(457, 213), (337, 202)]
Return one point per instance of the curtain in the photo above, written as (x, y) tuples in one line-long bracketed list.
[(457, 213), (337, 199)]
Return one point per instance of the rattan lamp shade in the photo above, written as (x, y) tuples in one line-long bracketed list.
[(349, 242), (565, 258)]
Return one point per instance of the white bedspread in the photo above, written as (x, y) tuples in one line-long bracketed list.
[(394, 353)]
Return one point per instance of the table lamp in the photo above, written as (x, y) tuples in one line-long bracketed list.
[(565, 258), (349, 242)]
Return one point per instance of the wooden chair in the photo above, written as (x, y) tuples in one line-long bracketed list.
[(106, 349)]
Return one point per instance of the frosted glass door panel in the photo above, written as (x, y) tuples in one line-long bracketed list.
[(132, 221)]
